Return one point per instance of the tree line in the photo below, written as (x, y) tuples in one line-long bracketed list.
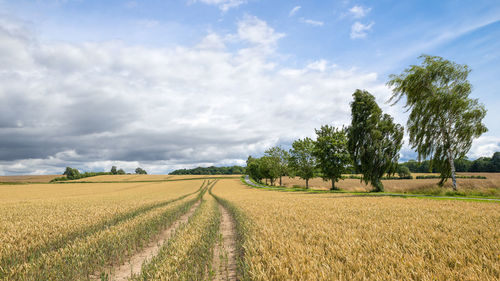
[(442, 123), (482, 164), (74, 174), (230, 170)]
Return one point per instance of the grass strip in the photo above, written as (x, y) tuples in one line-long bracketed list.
[(242, 228), (411, 194), (188, 255)]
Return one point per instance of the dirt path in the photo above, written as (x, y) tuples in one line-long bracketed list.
[(225, 251), (134, 263)]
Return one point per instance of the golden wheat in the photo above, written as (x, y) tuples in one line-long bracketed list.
[(297, 236), (40, 218)]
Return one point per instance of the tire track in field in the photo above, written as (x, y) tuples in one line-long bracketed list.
[(9, 262), (224, 264), (134, 264)]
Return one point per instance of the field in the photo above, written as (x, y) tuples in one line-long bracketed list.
[(114, 178), (488, 186), (28, 178), (221, 229)]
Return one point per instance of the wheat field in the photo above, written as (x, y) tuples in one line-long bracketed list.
[(297, 236), (83, 231)]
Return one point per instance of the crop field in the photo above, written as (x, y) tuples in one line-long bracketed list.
[(489, 185), (297, 236), (221, 229), (28, 178), (131, 178)]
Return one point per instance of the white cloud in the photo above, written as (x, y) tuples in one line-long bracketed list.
[(358, 12), (257, 31), (224, 5), (359, 30), (94, 104), (320, 65), (484, 146), (294, 11), (312, 22)]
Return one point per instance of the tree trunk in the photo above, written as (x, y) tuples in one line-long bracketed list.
[(307, 183), (378, 186), (452, 166), (272, 181), (280, 181), (333, 185)]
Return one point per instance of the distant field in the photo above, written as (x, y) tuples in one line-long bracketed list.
[(132, 178), (28, 178), (491, 184)]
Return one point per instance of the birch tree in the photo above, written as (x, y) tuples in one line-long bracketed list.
[(443, 120)]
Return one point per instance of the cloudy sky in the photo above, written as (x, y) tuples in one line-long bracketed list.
[(178, 84)]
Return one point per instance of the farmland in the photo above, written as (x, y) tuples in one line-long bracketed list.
[(170, 228), (488, 186)]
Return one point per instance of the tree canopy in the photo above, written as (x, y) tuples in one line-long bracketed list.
[(281, 157), (140, 171), (443, 120), (374, 140), (331, 152), (302, 160)]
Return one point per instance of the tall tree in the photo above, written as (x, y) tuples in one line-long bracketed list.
[(443, 119), (332, 153), (269, 168), (281, 157), (374, 140), (302, 159), (113, 170), (253, 168)]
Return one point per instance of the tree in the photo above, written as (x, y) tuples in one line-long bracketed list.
[(443, 119), (269, 168), (140, 171), (120, 172), (495, 161), (72, 173), (374, 140), (113, 170), (253, 168), (282, 157), (404, 172), (330, 149), (302, 159)]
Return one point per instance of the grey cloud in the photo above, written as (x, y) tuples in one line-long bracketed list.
[(94, 105)]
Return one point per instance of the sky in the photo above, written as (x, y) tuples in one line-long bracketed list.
[(165, 85)]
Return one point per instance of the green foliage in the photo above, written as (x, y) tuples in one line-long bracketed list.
[(140, 171), (253, 169), (231, 170), (269, 168), (302, 160), (281, 157), (72, 173), (443, 120), (374, 139), (403, 172), (330, 149)]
